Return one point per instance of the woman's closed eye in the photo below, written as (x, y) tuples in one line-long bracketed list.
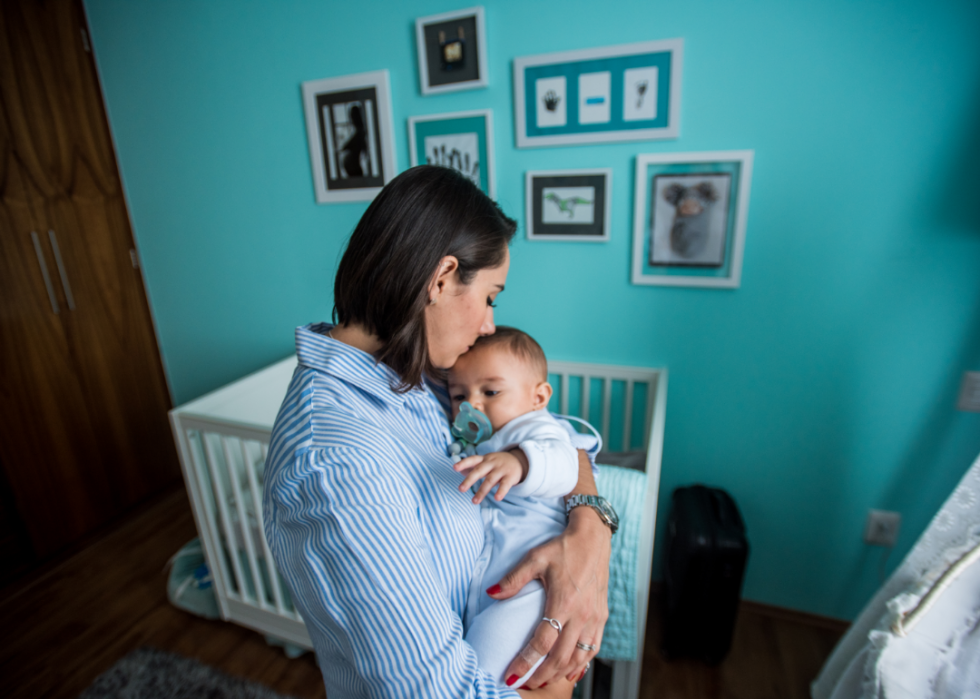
[(490, 302)]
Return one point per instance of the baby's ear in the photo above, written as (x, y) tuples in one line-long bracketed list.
[(542, 394)]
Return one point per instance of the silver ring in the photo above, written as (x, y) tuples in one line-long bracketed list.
[(587, 647), (555, 624)]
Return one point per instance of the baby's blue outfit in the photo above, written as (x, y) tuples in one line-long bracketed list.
[(532, 513)]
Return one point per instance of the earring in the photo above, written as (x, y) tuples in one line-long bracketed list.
[(432, 302)]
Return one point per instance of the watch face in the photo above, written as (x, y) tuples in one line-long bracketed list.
[(610, 512)]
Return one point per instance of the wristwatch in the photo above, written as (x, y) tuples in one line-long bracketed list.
[(606, 512)]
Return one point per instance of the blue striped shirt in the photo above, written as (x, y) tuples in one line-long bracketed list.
[(367, 525)]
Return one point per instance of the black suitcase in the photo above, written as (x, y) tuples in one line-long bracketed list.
[(704, 565)]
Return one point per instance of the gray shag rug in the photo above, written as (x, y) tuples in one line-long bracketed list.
[(148, 673)]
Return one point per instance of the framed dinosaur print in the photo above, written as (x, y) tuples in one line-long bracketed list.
[(568, 205)]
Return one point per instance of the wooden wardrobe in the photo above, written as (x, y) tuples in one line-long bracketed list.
[(84, 435)]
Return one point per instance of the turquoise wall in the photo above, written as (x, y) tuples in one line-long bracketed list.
[(825, 385)]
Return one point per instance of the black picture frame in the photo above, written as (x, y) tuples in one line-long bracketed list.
[(568, 205), (452, 51)]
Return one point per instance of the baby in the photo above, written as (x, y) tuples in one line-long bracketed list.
[(531, 462)]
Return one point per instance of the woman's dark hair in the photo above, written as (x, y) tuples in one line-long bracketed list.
[(421, 216)]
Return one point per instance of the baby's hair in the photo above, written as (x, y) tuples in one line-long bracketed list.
[(520, 344)]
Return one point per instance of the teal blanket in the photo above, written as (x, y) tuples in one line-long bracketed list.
[(625, 489)]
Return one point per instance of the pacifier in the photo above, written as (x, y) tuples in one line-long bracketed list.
[(470, 427)]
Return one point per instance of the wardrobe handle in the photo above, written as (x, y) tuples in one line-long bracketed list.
[(61, 270), (44, 272)]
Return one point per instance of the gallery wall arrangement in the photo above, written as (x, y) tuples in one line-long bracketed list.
[(690, 210)]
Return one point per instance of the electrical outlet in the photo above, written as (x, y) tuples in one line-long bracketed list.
[(970, 392), (882, 528)]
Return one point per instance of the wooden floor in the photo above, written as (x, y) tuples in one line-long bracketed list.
[(66, 625)]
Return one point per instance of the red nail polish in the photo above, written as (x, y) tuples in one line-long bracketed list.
[(582, 675), (543, 685), (494, 590), (512, 679)]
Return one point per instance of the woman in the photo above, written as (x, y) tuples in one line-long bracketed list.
[(362, 508)]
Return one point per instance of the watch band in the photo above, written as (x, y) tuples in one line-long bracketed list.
[(602, 507)]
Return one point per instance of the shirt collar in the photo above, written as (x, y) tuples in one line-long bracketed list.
[(349, 364)]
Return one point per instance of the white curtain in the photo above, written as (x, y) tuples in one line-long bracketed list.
[(940, 656)]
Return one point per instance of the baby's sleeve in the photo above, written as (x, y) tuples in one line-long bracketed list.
[(552, 468)]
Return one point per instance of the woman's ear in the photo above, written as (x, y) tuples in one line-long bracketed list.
[(542, 394), (444, 276)]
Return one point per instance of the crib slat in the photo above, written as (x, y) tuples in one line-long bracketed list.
[(606, 408), (199, 468), (236, 486), (584, 412), (564, 394), (270, 565), (652, 389), (628, 416), (220, 497)]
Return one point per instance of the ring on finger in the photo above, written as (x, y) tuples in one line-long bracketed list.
[(587, 647), (555, 624)]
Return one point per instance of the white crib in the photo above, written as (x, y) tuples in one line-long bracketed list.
[(222, 439)]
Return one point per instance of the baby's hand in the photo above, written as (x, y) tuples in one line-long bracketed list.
[(499, 468)]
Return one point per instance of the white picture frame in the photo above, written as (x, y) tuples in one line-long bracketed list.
[(547, 194), (614, 113), (433, 79), (477, 124), (702, 268), (332, 107)]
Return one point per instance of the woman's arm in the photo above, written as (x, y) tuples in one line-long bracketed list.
[(346, 535), (574, 569)]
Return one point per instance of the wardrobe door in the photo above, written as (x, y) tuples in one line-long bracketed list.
[(110, 328), (47, 443), (58, 140)]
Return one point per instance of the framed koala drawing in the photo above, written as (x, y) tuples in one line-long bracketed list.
[(689, 220)]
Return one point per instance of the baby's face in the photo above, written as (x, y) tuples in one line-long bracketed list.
[(497, 383)]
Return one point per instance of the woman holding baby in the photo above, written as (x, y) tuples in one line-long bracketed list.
[(364, 511)]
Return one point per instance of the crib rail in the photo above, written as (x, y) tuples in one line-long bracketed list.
[(580, 386), (223, 468)]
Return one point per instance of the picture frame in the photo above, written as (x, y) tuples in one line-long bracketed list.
[(452, 51), (462, 141), (689, 219), (630, 92), (568, 205), (351, 136)]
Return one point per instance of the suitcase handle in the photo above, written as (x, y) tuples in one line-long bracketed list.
[(725, 511)]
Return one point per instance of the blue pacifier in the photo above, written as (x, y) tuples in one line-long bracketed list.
[(470, 427)]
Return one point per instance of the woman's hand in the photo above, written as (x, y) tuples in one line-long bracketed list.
[(574, 569)]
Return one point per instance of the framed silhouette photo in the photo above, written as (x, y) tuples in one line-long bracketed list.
[(452, 51), (568, 205), (462, 141), (349, 128)]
